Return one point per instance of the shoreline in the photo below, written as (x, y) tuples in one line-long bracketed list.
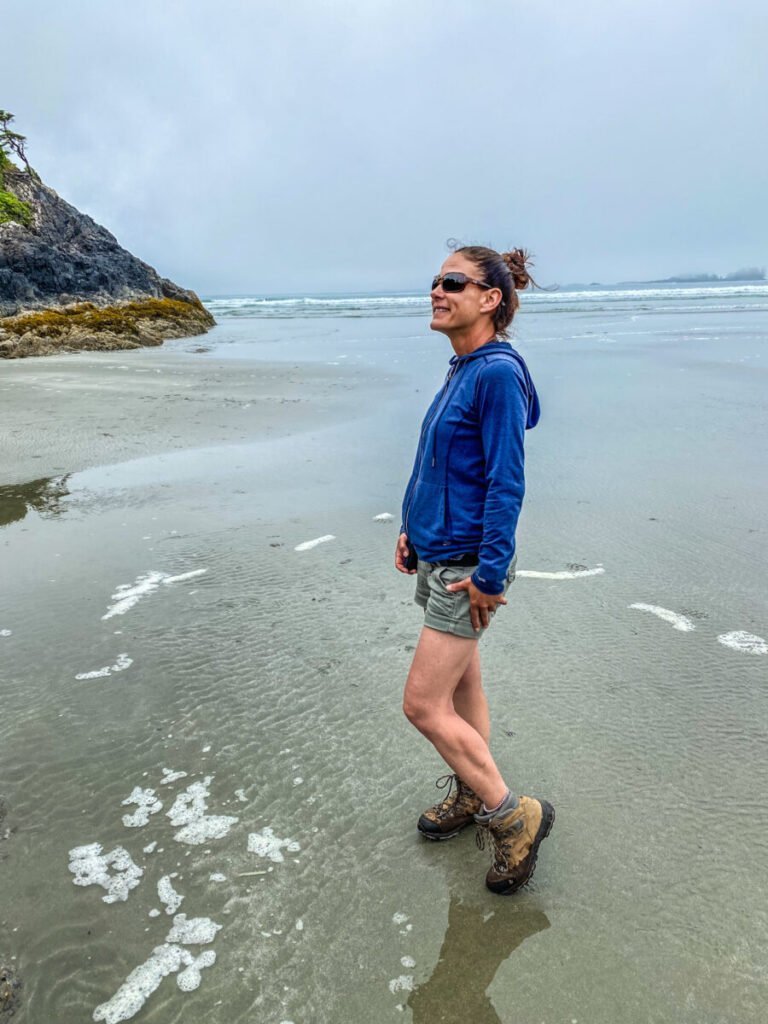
[(71, 412)]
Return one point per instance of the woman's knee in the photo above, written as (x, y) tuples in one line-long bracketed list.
[(413, 709), (419, 713)]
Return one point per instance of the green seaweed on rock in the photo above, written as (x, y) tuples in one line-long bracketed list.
[(123, 319), (12, 208)]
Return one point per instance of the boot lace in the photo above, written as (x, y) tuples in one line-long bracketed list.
[(500, 847), (445, 807)]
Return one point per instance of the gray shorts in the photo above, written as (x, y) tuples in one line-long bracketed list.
[(447, 610)]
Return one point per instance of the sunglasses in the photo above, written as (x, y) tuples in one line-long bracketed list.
[(455, 281)]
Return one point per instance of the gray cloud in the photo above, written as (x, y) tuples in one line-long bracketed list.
[(307, 146)]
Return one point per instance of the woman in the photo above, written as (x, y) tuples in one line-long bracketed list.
[(459, 516)]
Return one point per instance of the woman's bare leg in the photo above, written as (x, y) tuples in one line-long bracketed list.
[(469, 698), (439, 664)]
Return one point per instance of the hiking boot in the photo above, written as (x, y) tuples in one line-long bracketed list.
[(515, 832), (455, 812)]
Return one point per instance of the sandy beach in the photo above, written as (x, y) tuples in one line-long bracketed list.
[(64, 413), (191, 684)]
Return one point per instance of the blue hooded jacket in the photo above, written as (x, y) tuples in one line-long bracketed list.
[(467, 484)]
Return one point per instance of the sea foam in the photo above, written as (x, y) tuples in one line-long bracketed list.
[(90, 867), (145, 979), (675, 619), (196, 931), (565, 574), (122, 662), (127, 595), (146, 803), (307, 544), (188, 815), (168, 895), (267, 844), (748, 643)]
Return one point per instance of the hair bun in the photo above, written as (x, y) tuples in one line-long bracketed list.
[(519, 261)]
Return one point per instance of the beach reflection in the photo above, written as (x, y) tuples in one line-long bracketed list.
[(476, 944), (44, 496)]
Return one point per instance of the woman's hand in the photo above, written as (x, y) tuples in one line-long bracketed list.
[(481, 606), (401, 553)]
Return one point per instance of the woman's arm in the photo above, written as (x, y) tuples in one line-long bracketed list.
[(502, 407)]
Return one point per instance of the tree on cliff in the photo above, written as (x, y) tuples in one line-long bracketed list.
[(13, 142), (11, 207)]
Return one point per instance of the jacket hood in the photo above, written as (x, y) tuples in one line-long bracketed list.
[(504, 348)]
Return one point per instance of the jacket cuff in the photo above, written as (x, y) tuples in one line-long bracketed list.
[(485, 585)]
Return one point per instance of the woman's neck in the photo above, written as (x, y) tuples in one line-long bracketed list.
[(471, 339)]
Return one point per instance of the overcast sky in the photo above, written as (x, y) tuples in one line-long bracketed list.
[(294, 146)]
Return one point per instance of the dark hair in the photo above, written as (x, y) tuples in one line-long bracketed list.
[(507, 271)]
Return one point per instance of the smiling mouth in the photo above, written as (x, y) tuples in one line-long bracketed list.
[(439, 309)]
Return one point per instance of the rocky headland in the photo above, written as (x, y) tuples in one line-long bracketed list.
[(66, 284)]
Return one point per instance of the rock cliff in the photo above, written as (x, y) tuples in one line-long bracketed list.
[(65, 283)]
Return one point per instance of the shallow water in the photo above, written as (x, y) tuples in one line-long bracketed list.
[(278, 673)]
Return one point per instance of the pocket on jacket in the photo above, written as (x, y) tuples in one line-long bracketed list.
[(427, 508)]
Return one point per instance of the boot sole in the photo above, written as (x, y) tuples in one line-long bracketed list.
[(508, 887), (438, 837)]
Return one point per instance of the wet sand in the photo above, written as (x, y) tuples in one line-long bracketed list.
[(160, 613), (67, 412)]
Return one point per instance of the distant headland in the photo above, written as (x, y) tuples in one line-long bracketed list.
[(66, 284), (744, 274)]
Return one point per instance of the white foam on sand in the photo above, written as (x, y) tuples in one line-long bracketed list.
[(399, 918), (171, 776), (6, 632), (90, 867), (675, 619), (122, 662), (403, 983), (307, 544), (168, 895), (151, 848), (127, 595), (383, 517), (188, 815), (145, 979), (566, 574), (748, 643), (196, 931), (189, 979), (407, 961), (267, 844), (184, 576), (146, 803), (217, 877)]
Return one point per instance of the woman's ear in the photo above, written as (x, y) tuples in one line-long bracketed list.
[(490, 300)]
